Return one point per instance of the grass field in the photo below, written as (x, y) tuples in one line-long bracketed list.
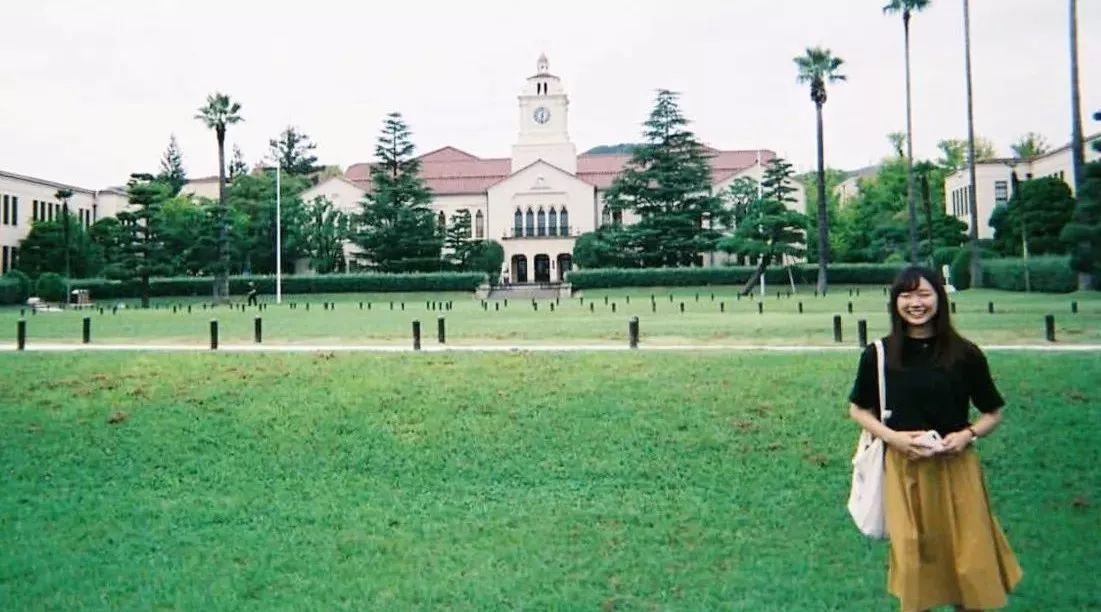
[(1018, 318), (481, 481)]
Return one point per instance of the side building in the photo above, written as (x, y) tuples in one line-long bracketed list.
[(993, 180), (25, 199)]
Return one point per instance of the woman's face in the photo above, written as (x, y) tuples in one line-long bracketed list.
[(918, 306)]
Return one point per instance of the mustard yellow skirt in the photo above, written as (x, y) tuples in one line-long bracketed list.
[(946, 546)]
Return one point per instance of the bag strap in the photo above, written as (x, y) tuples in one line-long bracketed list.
[(881, 372)]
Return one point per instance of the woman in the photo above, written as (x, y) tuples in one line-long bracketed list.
[(946, 546)]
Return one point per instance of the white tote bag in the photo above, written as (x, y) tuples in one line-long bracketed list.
[(866, 496)]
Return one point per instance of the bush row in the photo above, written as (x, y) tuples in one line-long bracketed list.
[(330, 283), (803, 274), (1051, 274)]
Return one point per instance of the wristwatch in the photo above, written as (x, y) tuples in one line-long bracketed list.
[(974, 434)]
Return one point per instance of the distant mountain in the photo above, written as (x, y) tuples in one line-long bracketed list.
[(625, 147)]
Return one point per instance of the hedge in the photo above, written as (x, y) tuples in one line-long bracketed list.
[(1048, 274), (803, 274), (100, 288), (11, 292)]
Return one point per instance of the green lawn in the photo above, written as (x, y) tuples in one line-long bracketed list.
[(473, 481), (1018, 318)]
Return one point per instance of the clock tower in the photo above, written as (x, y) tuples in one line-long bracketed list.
[(543, 123)]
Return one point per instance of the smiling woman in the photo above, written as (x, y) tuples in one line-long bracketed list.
[(946, 545)]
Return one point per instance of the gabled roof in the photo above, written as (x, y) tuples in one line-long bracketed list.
[(451, 171)]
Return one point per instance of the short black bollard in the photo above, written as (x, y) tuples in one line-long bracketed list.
[(722, 307), (188, 309), (605, 300), (21, 311), (712, 297), (850, 307), (591, 305), (858, 292), (884, 291), (862, 332), (990, 307), (670, 298), (391, 305), (213, 334), (697, 297), (368, 305), (21, 334), (361, 305), (535, 306), (582, 300), (403, 306), (86, 332), (441, 336), (613, 307), (307, 306), (682, 307), (760, 308), (1049, 327), (1074, 308), (114, 310), (628, 299), (800, 308), (850, 292), (653, 306), (552, 306), (258, 330), (416, 335), (632, 332), (738, 297), (506, 302), (837, 328), (173, 309), (497, 306)]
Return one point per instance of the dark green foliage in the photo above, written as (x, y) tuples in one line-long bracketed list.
[(1043, 206), (11, 292), (607, 247), (323, 234), (301, 283), (1050, 274), (252, 209), (172, 171), (143, 253), (237, 166), (486, 256), (43, 250), (867, 274), (770, 229), (22, 285), (961, 265), (294, 150), (667, 184), (1083, 232), (395, 229), (50, 287), (457, 241)]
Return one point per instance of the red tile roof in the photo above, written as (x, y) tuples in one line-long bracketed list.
[(450, 171)]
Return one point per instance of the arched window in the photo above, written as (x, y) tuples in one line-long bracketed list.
[(606, 216), (517, 224), (529, 223), (441, 221), (617, 217), (479, 225), (552, 223), (542, 223), (563, 223)]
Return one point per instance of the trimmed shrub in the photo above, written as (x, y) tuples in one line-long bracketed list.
[(803, 274), (24, 282), (10, 291), (100, 288), (1050, 274), (50, 287)]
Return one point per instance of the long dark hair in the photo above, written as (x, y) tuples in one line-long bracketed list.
[(949, 346)]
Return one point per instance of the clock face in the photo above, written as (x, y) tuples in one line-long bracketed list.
[(541, 115)]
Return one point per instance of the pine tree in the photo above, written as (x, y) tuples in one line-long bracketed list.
[(293, 150), (237, 165), (172, 170), (770, 229), (457, 240), (143, 252), (396, 229), (667, 184)]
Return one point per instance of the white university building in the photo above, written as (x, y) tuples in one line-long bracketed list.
[(540, 199)]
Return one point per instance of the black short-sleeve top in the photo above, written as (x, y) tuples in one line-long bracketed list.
[(923, 395)]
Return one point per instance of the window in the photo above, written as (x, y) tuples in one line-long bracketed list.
[(518, 224), (617, 217), (529, 223), (469, 226), (563, 223), (441, 221), (1001, 192), (552, 223), (479, 225), (542, 225), (5, 217), (606, 216), (15, 210), (3, 259)]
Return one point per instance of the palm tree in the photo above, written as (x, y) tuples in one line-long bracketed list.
[(819, 67), (219, 112), (906, 7), (1077, 146), (975, 267)]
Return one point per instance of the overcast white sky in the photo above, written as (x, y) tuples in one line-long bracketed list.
[(91, 91)]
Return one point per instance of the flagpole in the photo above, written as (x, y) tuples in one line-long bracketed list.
[(278, 235)]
